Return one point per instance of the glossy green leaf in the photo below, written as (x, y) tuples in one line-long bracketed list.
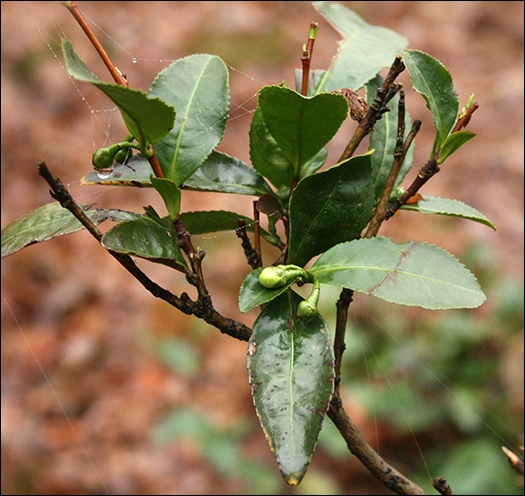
[(204, 222), (253, 293), (429, 77), (383, 141), (363, 52), (291, 373), (136, 172), (454, 142), (266, 156), (145, 238), (225, 174), (147, 119), (43, 223), (330, 207), (170, 194), (447, 206), (301, 126), (269, 160), (197, 86), (414, 273)]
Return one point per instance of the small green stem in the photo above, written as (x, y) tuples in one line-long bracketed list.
[(307, 57)]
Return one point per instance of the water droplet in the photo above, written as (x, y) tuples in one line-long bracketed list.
[(103, 174)]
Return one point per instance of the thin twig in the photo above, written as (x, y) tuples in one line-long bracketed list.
[(201, 308), (426, 172), (377, 108), (345, 298), (379, 468), (251, 255), (429, 169), (399, 157), (115, 73), (257, 230)]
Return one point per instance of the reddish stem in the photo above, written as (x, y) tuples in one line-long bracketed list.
[(115, 73)]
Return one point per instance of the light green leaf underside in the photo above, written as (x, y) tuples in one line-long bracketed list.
[(447, 206), (363, 52), (414, 273), (43, 223)]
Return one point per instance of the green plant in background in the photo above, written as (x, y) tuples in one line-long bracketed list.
[(175, 127)]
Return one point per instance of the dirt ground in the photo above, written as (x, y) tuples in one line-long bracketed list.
[(82, 385)]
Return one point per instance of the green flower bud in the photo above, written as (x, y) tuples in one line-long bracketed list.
[(104, 158), (273, 277), (306, 309), (119, 152), (277, 277)]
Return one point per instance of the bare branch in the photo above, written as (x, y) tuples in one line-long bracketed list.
[(201, 308)]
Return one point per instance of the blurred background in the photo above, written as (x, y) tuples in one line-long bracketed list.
[(106, 390)]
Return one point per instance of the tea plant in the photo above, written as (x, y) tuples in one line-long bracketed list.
[(333, 214)]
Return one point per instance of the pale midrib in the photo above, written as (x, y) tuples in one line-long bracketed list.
[(291, 398), (316, 272), (185, 119)]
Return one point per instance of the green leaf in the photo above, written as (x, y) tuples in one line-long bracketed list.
[(219, 220), (197, 86), (269, 160), (446, 206), (219, 173), (145, 238), (253, 293), (330, 207), (170, 194), (452, 143), (291, 372), (383, 141), (147, 119), (225, 174), (363, 52), (136, 172), (429, 77), (301, 126), (266, 156), (414, 273), (43, 223)]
